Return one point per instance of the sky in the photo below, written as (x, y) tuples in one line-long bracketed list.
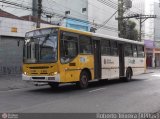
[(148, 2)]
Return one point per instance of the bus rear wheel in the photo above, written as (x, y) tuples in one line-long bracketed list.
[(128, 75), (84, 78), (53, 85)]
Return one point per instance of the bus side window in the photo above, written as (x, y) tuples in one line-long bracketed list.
[(140, 51), (128, 50), (69, 47), (105, 47), (135, 54), (85, 45), (114, 50)]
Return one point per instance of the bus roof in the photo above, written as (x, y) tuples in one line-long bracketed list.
[(101, 35), (95, 34), (117, 38)]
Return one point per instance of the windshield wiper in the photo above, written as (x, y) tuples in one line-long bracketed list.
[(46, 38)]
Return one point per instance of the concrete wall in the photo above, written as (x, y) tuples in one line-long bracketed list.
[(22, 26), (11, 55)]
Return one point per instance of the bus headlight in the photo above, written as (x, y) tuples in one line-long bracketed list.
[(25, 73), (53, 73)]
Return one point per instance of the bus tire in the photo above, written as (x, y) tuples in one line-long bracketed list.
[(84, 78), (53, 85), (128, 75)]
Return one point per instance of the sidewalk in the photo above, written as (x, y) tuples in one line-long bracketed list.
[(11, 82), (152, 70)]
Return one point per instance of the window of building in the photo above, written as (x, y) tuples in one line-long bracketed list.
[(85, 45), (84, 10)]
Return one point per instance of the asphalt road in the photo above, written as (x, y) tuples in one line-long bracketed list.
[(140, 95)]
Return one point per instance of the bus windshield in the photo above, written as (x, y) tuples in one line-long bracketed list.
[(41, 46)]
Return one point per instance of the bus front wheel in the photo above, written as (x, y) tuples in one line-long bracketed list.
[(83, 83)]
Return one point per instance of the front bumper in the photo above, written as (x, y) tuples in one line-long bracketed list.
[(55, 78)]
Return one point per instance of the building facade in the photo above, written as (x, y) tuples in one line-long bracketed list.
[(104, 13), (152, 34), (156, 32), (71, 13), (12, 33), (84, 14), (150, 29)]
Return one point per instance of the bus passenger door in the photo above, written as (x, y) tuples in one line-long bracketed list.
[(121, 60), (97, 59)]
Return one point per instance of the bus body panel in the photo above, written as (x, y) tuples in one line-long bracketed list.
[(110, 67), (70, 72), (136, 64)]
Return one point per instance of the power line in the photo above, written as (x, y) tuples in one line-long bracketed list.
[(28, 7), (78, 13), (105, 22), (43, 11), (108, 4)]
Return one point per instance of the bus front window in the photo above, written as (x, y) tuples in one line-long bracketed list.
[(41, 49)]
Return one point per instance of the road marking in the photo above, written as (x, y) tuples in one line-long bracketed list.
[(156, 75), (99, 89)]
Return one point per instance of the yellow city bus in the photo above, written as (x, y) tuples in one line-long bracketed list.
[(57, 55)]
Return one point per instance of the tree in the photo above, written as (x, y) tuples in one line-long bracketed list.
[(129, 30)]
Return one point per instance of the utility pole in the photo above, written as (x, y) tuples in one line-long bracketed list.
[(35, 8), (39, 13), (142, 19), (120, 16)]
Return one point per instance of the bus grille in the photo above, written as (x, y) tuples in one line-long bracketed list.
[(38, 77), (43, 67)]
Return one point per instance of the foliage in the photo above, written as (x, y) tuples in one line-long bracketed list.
[(129, 30)]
